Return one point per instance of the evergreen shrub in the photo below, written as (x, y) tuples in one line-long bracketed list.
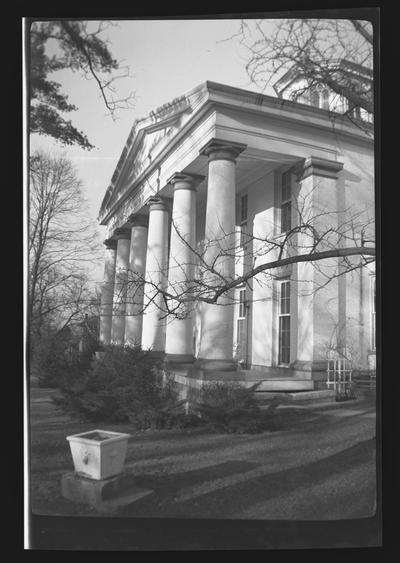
[(124, 384), (231, 407)]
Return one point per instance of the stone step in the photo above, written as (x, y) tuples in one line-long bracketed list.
[(276, 384), (317, 395), (280, 384), (320, 396), (274, 374)]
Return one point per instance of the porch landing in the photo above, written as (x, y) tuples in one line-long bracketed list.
[(269, 379)]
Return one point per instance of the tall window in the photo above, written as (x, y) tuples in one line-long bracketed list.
[(286, 203), (284, 323), (373, 313), (242, 328), (242, 304), (243, 220)]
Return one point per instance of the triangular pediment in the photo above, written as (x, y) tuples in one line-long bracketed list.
[(148, 138), (152, 141)]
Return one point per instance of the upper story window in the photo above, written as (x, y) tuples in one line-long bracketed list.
[(243, 220), (314, 98), (286, 203), (325, 99)]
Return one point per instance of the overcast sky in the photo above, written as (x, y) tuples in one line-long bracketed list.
[(166, 59)]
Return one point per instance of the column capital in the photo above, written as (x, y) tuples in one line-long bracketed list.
[(217, 149), (110, 243), (315, 166), (122, 233), (183, 180), (157, 203), (138, 221)]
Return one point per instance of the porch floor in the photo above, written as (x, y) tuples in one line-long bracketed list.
[(270, 379)]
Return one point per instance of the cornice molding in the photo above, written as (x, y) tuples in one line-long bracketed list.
[(209, 97), (138, 221), (315, 166), (218, 149), (157, 204), (182, 180)]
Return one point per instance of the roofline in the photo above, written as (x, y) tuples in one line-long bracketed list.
[(210, 86), (139, 125), (343, 63)]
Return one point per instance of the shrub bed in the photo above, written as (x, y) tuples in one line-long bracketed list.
[(123, 384), (231, 407)]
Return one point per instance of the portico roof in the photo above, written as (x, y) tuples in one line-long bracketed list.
[(168, 139)]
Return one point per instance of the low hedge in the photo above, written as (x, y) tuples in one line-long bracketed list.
[(123, 384), (231, 407)]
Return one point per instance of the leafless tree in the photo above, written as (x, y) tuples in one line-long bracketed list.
[(62, 243), (333, 242), (315, 49)]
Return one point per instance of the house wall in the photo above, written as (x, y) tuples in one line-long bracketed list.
[(261, 222), (358, 200), (337, 314)]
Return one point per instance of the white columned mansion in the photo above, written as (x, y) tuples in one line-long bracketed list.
[(229, 165)]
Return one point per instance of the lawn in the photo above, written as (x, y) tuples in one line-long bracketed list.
[(307, 467)]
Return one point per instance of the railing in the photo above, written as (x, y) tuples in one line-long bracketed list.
[(365, 379), (339, 375)]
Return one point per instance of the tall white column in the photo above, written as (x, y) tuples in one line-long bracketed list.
[(317, 311), (156, 279), (182, 267), (216, 346), (120, 286), (107, 291), (137, 268)]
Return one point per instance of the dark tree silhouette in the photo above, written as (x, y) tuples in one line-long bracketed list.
[(78, 50)]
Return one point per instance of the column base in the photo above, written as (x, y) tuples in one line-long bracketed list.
[(316, 369), (179, 358), (309, 365), (215, 365), (157, 354)]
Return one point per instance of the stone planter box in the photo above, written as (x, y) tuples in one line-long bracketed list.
[(98, 454)]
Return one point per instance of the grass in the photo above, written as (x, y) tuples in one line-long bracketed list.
[(179, 465)]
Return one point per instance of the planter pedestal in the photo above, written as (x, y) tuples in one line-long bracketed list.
[(105, 495)]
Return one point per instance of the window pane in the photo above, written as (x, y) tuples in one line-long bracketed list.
[(314, 98), (242, 301), (284, 340), (243, 234), (325, 99), (286, 212), (243, 208), (285, 298)]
